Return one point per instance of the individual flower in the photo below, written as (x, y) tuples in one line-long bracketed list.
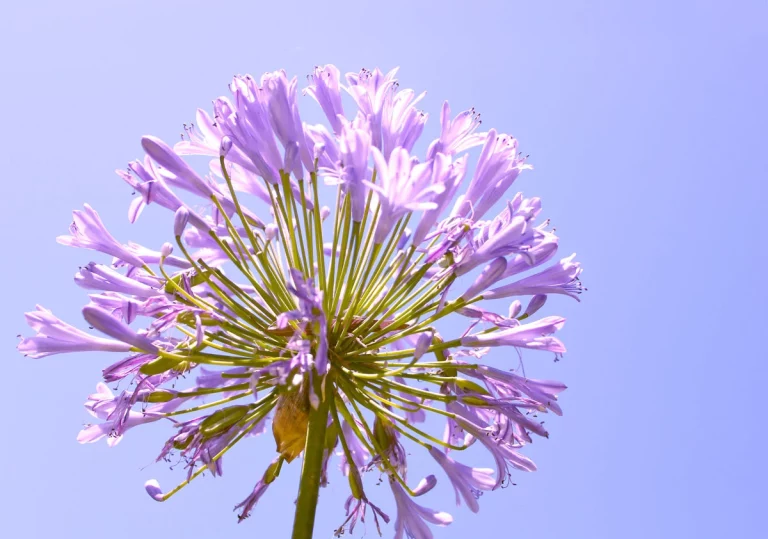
[(312, 317)]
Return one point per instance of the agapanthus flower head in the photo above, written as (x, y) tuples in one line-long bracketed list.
[(305, 290)]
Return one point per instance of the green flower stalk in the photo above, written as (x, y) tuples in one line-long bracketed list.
[(324, 321)]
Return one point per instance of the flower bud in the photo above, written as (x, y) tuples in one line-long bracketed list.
[(180, 221), (536, 303), (325, 211), (318, 150), (153, 489), (270, 231), (404, 237), (514, 309), (166, 250), (226, 145), (222, 420), (425, 485), (422, 343), (490, 274)]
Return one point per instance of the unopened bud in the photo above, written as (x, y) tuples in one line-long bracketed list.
[(514, 309), (404, 237), (490, 274), (180, 221), (226, 145), (270, 231), (422, 343), (166, 250), (325, 211), (425, 485), (536, 303), (383, 432), (318, 150), (222, 420)]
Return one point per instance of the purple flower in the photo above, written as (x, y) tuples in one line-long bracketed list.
[(472, 311), (356, 508), (253, 498), (284, 113), (87, 231), (490, 274), (497, 168), (204, 136), (535, 335), (402, 185), (412, 518), (512, 231), (506, 383), (325, 89), (57, 337), (369, 89), (247, 123), (117, 416), (401, 123), (360, 454), (99, 277), (352, 169), (456, 135), (468, 482), (562, 278), (449, 174), (106, 323)]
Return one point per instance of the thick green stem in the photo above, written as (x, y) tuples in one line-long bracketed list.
[(311, 472)]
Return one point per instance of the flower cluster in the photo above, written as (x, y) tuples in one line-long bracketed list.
[(320, 321)]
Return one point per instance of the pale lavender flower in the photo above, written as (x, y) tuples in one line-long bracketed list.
[(99, 277), (88, 231), (351, 171), (468, 482), (248, 503), (57, 337), (456, 135), (326, 90), (106, 323), (402, 186), (533, 335), (498, 167), (562, 278), (412, 518), (369, 89)]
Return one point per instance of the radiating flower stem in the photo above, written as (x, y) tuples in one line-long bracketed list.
[(311, 472)]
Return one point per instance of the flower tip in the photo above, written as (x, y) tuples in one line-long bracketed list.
[(226, 145), (153, 489), (270, 231), (425, 485), (166, 250)]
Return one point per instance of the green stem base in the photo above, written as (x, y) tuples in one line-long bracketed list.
[(311, 473)]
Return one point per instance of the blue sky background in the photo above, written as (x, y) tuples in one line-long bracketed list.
[(646, 122)]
